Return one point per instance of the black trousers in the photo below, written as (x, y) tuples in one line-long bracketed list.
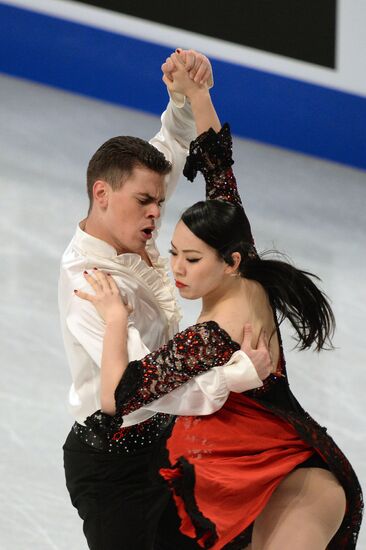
[(122, 500)]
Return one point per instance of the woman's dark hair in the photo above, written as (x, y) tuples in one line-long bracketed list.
[(292, 293)]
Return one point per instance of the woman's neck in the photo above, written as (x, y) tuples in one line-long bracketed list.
[(223, 295)]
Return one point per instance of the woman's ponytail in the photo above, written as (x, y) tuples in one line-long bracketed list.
[(293, 293), (225, 227)]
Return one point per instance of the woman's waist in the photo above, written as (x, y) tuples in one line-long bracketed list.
[(242, 420)]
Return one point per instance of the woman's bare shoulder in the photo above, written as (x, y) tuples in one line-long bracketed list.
[(228, 323)]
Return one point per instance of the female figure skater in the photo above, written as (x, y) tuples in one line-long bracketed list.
[(260, 471)]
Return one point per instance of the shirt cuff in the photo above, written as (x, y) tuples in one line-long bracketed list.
[(240, 373), (180, 99)]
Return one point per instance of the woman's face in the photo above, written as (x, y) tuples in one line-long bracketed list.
[(197, 269)]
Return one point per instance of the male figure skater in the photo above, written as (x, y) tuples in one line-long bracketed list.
[(116, 488)]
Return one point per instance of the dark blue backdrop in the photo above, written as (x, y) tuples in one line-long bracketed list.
[(108, 66)]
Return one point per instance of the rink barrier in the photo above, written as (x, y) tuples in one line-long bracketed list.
[(120, 69)]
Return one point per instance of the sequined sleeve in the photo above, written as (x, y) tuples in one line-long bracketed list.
[(211, 154), (191, 352)]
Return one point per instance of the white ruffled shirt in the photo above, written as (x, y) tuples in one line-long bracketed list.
[(155, 315)]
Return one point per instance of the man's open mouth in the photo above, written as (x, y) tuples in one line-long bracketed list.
[(148, 231)]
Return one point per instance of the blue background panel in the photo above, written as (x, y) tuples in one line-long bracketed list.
[(259, 105)]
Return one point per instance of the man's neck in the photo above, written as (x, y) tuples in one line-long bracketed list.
[(89, 227), (95, 229)]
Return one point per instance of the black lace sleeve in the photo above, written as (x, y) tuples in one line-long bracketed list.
[(191, 352), (211, 154)]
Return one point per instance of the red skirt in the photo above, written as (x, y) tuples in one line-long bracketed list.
[(232, 462)]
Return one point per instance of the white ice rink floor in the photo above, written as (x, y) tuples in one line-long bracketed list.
[(311, 209)]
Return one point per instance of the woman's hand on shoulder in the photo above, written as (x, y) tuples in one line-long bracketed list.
[(107, 298), (260, 356)]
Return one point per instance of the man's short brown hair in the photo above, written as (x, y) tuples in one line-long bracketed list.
[(115, 160)]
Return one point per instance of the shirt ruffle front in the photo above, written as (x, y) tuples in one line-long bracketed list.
[(156, 278)]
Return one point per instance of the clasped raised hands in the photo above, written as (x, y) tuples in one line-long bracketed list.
[(197, 65), (186, 71)]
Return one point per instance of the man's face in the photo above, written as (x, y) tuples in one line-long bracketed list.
[(128, 214)]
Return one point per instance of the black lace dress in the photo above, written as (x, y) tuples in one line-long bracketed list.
[(206, 345)]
